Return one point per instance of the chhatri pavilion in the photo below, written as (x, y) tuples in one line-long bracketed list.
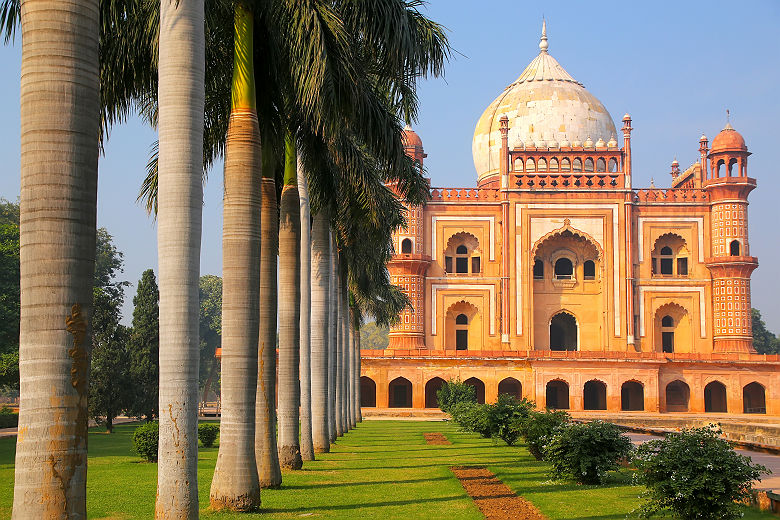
[(556, 279)]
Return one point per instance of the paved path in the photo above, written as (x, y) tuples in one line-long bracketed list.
[(772, 462)]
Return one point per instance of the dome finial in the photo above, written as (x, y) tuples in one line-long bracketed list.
[(543, 45)]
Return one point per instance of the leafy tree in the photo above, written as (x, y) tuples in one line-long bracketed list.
[(109, 390), (210, 332), (9, 295), (144, 347), (372, 336), (453, 392), (764, 341)]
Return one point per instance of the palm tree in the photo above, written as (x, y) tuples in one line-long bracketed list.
[(235, 484), (289, 311), (332, 340), (320, 336), (60, 104), (338, 375), (180, 198), (344, 319), (307, 443)]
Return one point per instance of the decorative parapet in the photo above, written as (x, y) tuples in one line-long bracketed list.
[(574, 181), (464, 195), (680, 195)]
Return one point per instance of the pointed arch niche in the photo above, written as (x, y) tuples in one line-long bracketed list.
[(463, 327), (672, 330), (463, 254)]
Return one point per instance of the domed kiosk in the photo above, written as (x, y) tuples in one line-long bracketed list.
[(546, 106)]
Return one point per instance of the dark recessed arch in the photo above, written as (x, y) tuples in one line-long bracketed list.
[(557, 395), (754, 398), (479, 387), (678, 395), (367, 392), (431, 388), (511, 386), (594, 395), (715, 397), (632, 396), (400, 393)]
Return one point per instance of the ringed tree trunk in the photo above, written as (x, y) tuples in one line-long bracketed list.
[(339, 372), (289, 311), (235, 485), (344, 347), (358, 412), (266, 455), (180, 200), (354, 378), (60, 110), (332, 338), (320, 334), (307, 444)]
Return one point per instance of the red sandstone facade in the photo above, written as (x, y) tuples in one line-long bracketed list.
[(556, 280)]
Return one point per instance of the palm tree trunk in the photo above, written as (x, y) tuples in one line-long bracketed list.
[(235, 485), (358, 412), (266, 455), (180, 201), (339, 373), (289, 312), (332, 339), (353, 332), (320, 336), (60, 109), (344, 346), (307, 443)]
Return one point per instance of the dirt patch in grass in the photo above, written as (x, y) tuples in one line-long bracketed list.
[(436, 438), (494, 498)]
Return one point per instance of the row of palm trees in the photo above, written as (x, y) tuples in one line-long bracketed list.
[(294, 93)]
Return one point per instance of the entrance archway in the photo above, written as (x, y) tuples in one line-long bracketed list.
[(563, 332), (558, 395), (479, 387), (511, 386), (677, 396), (431, 388), (367, 392), (632, 397), (715, 397), (595, 395), (400, 394), (754, 398)]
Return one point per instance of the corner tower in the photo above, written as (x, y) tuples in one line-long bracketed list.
[(731, 265), (409, 265)]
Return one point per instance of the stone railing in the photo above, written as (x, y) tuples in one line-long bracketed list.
[(464, 195), (569, 181), (671, 195)]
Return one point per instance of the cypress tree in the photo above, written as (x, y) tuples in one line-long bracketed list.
[(144, 347)]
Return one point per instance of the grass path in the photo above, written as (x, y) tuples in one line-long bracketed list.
[(382, 469)]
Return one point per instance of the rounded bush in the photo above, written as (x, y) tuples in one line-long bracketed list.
[(207, 433), (585, 452), (694, 474), (145, 440), (453, 392), (538, 427), (504, 417)]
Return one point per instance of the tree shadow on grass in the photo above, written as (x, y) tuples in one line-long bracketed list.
[(367, 505), (367, 483)]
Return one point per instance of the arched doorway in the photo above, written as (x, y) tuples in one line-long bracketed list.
[(754, 398), (431, 387), (479, 387), (595, 395), (367, 392), (400, 395), (563, 332), (558, 395), (677, 396), (715, 397), (462, 326), (511, 386), (632, 396), (406, 246)]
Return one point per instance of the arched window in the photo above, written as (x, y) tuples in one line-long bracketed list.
[(613, 165), (462, 254), (565, 165), (530, 165), (589, 270), (461, 332), (734, 248), (733, 173), (519, 164), (563, 332), (553, 164), (538, 270), (406, 246), (667, 334), (601, 165), (670, 256), (588, 165), (577, 165), (564, 269), (542, 167), (667, 260), (719, 168)]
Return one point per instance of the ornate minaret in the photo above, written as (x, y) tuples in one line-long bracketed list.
[(728, 187), (409, 265)]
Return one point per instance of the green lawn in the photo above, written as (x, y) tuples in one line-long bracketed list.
[(381, 469)]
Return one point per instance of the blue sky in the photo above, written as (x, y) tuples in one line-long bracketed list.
[(674, 66)]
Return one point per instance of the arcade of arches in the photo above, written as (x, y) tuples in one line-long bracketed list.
[(555, 278)]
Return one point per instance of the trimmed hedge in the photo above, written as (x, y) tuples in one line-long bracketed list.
[(145, 440), (207, 433)]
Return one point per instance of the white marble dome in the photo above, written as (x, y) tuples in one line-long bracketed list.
[(544, 104)]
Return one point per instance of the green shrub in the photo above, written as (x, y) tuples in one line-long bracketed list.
[(504, 417), (207, 433), (472, 417), (8, 418), (585, 452), (538, 426), (694, 474), (453, 392), (145, 439)]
